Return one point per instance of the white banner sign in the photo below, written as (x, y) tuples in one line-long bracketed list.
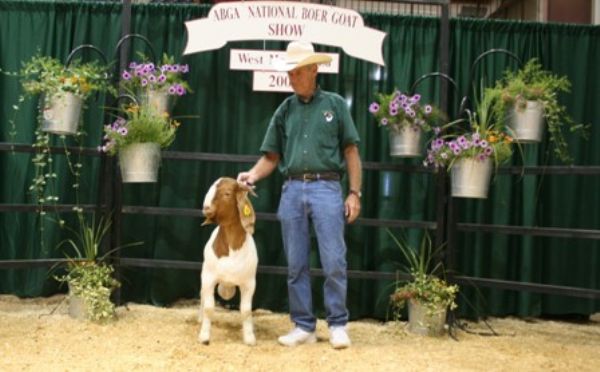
[(271, 81), (279, 20), (249, 59)]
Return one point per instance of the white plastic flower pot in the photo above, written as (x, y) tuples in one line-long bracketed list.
[(470, 178), (527, 124), (139, 162), (159, 99), (425, 322), (405, 143), (61, 114)]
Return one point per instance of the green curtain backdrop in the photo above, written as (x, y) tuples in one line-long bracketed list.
[(228, 117)]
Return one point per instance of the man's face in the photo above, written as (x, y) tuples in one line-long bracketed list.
[(303, 80)]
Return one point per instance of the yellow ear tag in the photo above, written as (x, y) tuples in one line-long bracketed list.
[(247, 211)]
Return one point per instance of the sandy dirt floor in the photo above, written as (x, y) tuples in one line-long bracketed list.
[(148, 338)]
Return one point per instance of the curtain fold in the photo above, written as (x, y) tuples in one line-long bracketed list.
[(224, 115)]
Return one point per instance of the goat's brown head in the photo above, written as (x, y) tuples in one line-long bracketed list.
[(227, 202)]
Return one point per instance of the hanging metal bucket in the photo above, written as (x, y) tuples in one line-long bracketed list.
[(426, 322), (159, 99), (139, 162), (61, 114), (470, 178), (527, 124), (406, 142)]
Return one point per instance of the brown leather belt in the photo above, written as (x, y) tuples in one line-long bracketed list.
[(309, 177)]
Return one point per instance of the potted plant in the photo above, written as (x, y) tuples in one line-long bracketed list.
[(472, 154), (137, 138), (88, 275), (526, 98), (427, 294), (156, 84), (406, 118), (63, 90)]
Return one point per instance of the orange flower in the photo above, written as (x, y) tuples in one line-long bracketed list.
[(492, 139)]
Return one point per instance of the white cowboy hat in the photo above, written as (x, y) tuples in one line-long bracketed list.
[(298, 54)]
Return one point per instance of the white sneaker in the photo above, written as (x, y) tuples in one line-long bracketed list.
[(298, 336), (338, 337)]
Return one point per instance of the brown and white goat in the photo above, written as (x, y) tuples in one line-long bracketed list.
[(230, 257)]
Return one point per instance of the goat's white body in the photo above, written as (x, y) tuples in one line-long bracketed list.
[(236, 269)]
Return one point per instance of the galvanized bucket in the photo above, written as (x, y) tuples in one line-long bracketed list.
[(527, 124), (406, 142), (159, 99), (77, 307), (470, 178), (61, 113), (139, 162), (425, 322)]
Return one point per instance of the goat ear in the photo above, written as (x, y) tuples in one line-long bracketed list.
[(246, 211)]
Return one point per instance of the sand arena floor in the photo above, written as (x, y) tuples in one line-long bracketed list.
[(32, 338)]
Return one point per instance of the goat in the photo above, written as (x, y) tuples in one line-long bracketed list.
[(230, 257)]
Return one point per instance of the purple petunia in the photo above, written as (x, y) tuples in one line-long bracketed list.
[(384, 121), (373, 108), (162, 78), (126, 75), (123, 131), (172, 90), (428, 109), (184, 68), (180, 90), (144, 82), (394, 111)]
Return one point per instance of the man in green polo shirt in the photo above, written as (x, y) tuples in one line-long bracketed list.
[(312, 140)]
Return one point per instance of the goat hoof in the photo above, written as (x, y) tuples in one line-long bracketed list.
[(205, 342), (250, 341)]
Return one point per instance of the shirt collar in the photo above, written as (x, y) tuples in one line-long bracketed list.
[(316, 94)]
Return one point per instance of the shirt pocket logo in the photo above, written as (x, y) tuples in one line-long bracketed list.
[(328, 115)]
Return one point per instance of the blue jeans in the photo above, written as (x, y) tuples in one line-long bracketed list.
[(320, 202)]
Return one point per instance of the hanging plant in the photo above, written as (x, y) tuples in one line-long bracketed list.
[(531, 86)]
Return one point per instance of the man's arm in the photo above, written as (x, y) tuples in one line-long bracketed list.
[(354, 167), (263, 167)]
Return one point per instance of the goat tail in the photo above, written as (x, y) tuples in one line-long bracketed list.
[(225, 291)]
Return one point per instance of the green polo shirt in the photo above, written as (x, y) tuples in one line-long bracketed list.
[(311, 137)]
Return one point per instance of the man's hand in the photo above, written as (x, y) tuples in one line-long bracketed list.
[(247, 178), (352, 207)]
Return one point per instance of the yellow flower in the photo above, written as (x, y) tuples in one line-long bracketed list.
[(492, 139), (133, 109), (85, 87)]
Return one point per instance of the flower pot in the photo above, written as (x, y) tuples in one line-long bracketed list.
[(423, 321), (77, 307), (61, 113), (527, 124), (139, 162), (406, 142), (159, 99), (470, 178)]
